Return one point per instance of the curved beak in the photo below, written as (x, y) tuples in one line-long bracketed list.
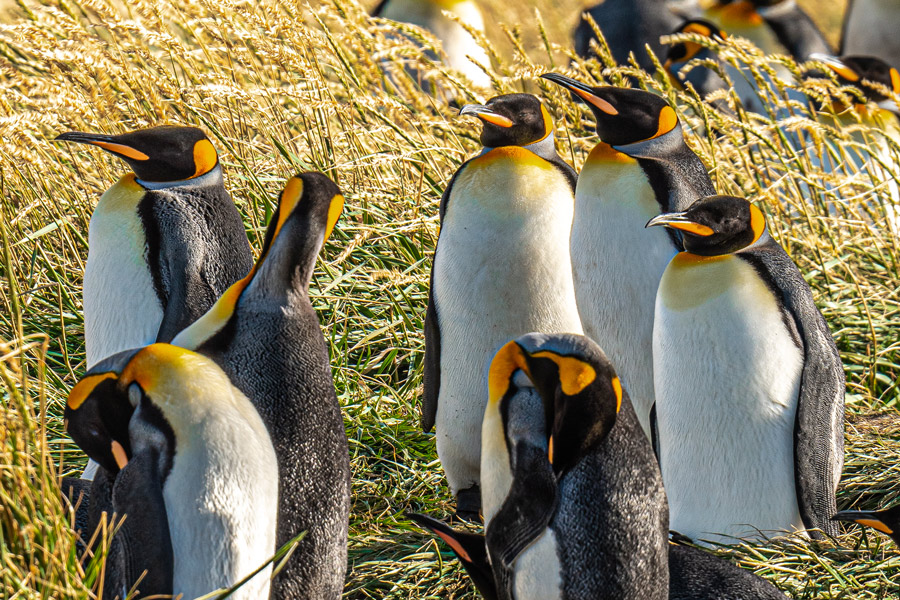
[(486, 115), (681, 222), (107, 142), (836, 65), (863, 517), (583, 91)]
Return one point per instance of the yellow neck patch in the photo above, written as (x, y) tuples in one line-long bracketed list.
[(122, 150), (667, 121), (520, 155), (205, 158), (604, 153), (153, 365), (85, 387), (334, 213), (507, 361), (574, 374)]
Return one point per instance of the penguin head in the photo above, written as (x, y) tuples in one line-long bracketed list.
[(580, 394), (861, 72), (158, 154), (169, 387), (738, 13), (716, 225), (624, 116), (308, 209), (704, 80), (886, 521), (511, 120)]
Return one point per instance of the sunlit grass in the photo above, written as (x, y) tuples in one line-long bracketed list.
[(282, 87)]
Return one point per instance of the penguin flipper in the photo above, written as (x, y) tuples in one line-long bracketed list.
[(524, 515), (819, 425), (468, 547)]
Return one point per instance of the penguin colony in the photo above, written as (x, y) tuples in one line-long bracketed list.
[(630, 353)]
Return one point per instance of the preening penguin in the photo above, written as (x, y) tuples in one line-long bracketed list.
[(573, 502), (749, 383), (628, 27), (190, 466), (870, 29), (640, 167), (501, 269), (265, 335), (164, 242), (886, 521), (457, 43)]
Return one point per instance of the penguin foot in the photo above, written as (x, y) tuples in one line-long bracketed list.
[(468, 505)]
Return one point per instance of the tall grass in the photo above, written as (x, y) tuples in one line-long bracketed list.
[(283, 87)]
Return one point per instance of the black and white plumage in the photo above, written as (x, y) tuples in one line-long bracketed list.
[(756, 446), (266, 336), (501, 269), (188, 462)]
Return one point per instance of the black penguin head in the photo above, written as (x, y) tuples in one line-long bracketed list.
[(886, 521), (716, 225), (682, 52), (624, 116), (308, 209), (579, 390), (511, 120), (158, 154), (861, 72)]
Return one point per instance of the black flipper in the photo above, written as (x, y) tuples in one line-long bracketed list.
[(819, 428), (468, 547), (525, 514), (432, 376)]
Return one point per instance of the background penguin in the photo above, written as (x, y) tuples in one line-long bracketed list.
[(164, 242), (640, 167), (628, 27), (191, 468), (456, 42), (886, 521), (749, 383), (573, 502), (265, 335), (870, 29), (501, 269)]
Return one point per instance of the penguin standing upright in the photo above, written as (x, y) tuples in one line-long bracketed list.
[(749, 383), (628, 27), (639, 168), (164, 242), (501, 269), (457, 43), (265, 335), (573, 501), (192, 470), (870, 29)]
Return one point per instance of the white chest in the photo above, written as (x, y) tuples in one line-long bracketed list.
[(727, 376), (121, 308), (617, 264), (538, 573)]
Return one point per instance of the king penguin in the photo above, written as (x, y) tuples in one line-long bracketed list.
[(164, 242), (887, 521), (457, 43), (870, 29), (192, 469), (628, 27), (501, 269), (264, 333), (749, 383), (640, 167), (574, 505)]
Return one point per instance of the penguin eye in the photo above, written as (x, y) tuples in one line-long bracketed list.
[(135, 393)]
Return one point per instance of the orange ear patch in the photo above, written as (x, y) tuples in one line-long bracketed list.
[(83, 389), (617, 388), (205, 157), (667, 121), (757, 222)]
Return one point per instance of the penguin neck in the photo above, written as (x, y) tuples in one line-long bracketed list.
[(544, 147), (286, 268), (210, 178), (794, 29), (676, 174)]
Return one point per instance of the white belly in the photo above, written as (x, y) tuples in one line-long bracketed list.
[(501, 270), (870, 30), (617, 264), (727, 382), (121, 309), (538, 574)]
